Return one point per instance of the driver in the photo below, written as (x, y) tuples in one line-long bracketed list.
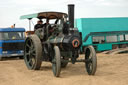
[(38, 25)]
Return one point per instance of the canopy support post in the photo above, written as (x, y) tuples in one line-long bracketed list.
[(29, 23)]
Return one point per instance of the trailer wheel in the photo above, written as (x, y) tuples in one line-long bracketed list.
[(56, 62), (33, 52), (90, 60), (65, 63)]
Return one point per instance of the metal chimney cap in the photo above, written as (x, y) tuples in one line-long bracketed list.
[(71, 5)]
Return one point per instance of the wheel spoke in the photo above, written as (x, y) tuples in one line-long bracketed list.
[(34, 54), (89, 61), (90, 66), (30, 61), (32, 47), (33, 50), (26, 54), (31, 42), (27, 45)]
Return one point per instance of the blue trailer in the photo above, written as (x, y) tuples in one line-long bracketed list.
[(103, 33), (11, 42)]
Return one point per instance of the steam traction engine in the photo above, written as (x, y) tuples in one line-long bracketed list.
[(57, 43)]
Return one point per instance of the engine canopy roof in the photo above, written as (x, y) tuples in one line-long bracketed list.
[(45, 15)]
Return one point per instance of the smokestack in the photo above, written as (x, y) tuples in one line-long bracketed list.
[(71, 15)]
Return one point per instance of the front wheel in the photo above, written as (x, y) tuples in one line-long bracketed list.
[(90, 60), (56, 62)]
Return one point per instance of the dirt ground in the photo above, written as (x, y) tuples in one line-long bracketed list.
[(111, 70)]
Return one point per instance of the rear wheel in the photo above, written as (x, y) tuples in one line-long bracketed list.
[(33, 52), (56, 62), (90, 60), (65, 63)]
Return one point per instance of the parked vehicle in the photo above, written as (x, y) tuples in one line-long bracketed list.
[(11, 42), (103, 33)]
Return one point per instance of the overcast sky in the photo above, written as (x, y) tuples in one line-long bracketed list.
[(11, 10)]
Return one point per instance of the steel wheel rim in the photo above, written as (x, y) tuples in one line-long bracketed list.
[(29, 54), (88, 62), (54, 66), (56, 62)]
